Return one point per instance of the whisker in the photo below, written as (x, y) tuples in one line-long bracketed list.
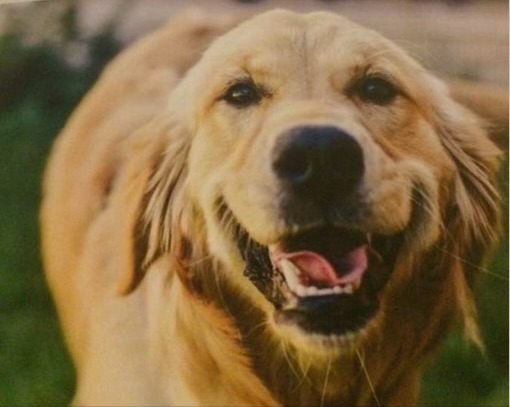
[(367, 376), (475, 266), (326, 379), (255, 328), (285, 353), (425, 204), (304, 370)]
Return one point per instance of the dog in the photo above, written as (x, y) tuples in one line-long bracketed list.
[(286, 210)]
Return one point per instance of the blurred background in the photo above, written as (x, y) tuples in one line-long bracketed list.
[(51, 52)]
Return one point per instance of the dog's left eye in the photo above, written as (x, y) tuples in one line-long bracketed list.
[(242, 94), (377, 90)]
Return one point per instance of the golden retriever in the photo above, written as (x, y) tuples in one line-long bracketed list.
[(293, 218)]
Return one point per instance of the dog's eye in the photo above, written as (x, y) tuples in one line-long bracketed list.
[(377, 90), (243, 94)]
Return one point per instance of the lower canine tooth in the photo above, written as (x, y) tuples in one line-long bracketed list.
[(301, 290), (312, 290), (291, 273)]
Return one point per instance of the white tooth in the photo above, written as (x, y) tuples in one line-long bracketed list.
[(300, 290), (337, 289), (312, 290), (326, 291), (291, 273), (348, 289)]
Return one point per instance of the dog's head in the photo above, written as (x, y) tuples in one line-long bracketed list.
[(324, 172)]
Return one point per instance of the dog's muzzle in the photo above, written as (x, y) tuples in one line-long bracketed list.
[(325, 275)]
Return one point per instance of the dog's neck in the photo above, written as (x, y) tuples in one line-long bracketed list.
[(295, 375), (243, 362)]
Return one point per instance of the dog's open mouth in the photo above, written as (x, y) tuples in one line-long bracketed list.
[(322, 261), (334, 276), (326, 280)]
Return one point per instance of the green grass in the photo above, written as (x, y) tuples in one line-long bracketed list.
[(34, 366), (463, 375), (38, 91), (35, 369)]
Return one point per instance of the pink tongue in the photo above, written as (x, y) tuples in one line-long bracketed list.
[(319, 272)]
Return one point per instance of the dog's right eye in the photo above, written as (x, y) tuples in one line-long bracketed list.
[(377, 90), (242, 94)]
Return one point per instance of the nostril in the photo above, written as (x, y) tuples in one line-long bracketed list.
[(294, 166)]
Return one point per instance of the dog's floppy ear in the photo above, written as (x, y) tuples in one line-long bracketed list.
[(149, 198), (490, 101), (473, 217), (477, 161)]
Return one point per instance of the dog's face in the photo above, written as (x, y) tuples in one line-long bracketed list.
[(319, 163)]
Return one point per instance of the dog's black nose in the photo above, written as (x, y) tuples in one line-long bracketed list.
[(319, 161)]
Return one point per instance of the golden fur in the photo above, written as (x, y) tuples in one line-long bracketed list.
[(149, 284)]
